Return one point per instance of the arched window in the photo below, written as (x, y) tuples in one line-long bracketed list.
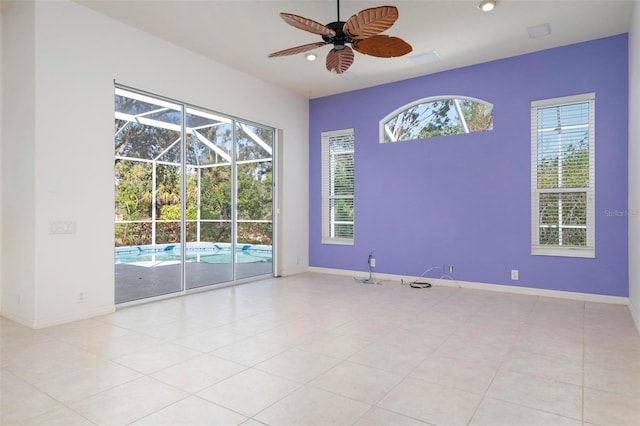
[(436, 116)]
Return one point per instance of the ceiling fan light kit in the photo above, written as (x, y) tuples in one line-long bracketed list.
[(362, 31)]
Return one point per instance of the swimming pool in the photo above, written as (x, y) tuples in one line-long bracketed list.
[(207, 253)]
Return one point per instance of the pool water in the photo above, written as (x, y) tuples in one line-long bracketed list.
[(212, 255)]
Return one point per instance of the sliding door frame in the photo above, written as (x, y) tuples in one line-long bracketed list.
[(275, 200)]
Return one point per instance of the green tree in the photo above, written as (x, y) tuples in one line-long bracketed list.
[(478, 115), (133, 190), (255, 197), (439, 118), (208, 176), (132, 201)]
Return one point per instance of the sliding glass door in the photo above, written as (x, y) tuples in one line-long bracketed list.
[(209, 199), (193, 197), (148, 170), (254, 171)]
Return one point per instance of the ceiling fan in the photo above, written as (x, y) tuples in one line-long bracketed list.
[(361, 31)]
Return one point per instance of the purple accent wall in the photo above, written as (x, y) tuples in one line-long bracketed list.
[(464, 200)]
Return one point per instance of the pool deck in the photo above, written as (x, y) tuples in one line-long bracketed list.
[(135, 282)]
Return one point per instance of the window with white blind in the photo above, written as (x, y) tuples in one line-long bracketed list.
[(337, 187), (562, 176)]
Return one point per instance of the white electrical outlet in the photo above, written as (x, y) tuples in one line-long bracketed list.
[(372, 262), (514, 274), (451, 269), (82, 297)]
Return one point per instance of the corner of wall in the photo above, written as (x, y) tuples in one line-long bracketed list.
[(17, 147), (634, 159), (1, 145)]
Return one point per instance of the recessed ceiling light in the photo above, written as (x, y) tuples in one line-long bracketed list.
[(311, 57), (539, 31), (423, 58), (487, 5)]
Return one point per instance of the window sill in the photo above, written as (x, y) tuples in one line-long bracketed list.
[(337, 241), (584, 252)]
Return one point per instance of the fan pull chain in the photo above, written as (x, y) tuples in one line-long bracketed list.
[(338, 1)]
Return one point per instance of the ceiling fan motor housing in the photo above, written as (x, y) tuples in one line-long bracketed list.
[(341, 38)]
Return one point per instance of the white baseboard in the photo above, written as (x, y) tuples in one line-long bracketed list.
[(293, 271), (75, 316), (635, 313), (57, 320), (586, 297), (17, 318)]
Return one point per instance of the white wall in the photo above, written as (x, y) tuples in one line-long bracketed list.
[(1, 150), (634, 161), (78, 54), (18, 166)]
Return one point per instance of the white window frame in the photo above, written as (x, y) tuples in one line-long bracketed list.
[(327, 214), (587, 251)]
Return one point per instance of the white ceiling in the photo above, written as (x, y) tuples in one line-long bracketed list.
[(241, 33)]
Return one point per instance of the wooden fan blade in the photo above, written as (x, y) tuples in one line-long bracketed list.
[(297, 49), (382, 46), (340, 60), (370, 22), (306, 24)]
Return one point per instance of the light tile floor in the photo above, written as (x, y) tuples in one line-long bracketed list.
[(315, 349)]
